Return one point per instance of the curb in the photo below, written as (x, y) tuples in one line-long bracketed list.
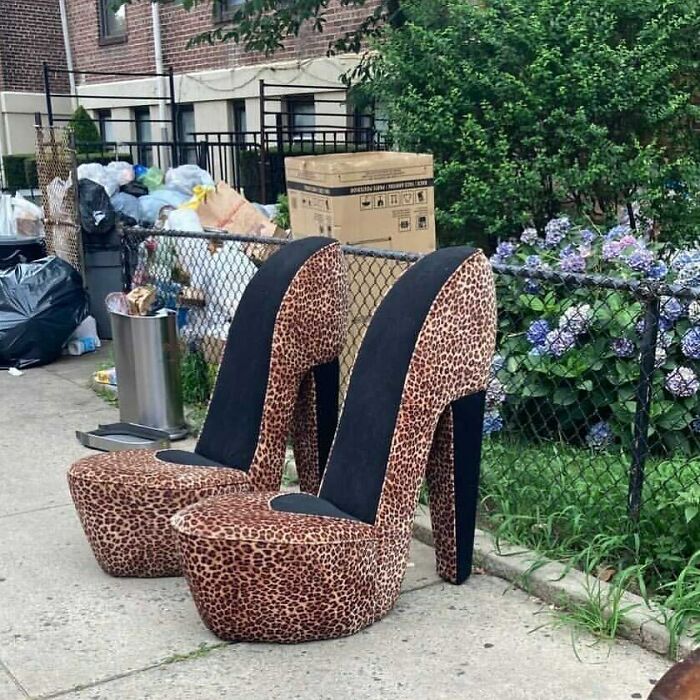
[(552, 582)]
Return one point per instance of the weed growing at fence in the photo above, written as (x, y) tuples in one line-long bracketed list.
[(574, 510)]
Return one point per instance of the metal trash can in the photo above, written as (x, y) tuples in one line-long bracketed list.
[(147, 358)]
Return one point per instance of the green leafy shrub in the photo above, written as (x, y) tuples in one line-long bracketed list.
[(84, 129), (532, 107)]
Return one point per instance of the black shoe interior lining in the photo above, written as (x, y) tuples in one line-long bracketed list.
[(191, 459), (306, 504), (230, 432), (357, 465)]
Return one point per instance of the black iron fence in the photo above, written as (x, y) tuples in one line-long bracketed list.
[(593, 409)]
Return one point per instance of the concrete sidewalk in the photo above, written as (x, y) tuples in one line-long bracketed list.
[(67, 630)]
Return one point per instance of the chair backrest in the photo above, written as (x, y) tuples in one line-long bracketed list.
[(230, 432), (357, 465)]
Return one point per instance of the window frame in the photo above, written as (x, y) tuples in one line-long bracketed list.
[(107, 37), (224, 10), (292, 104)]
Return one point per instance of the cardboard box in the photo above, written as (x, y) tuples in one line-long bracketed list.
[(374, 199)]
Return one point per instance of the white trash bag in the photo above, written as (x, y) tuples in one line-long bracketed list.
[(186, 177)]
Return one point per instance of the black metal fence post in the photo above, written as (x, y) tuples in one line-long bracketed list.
[(640, 441), (173, 117), (263, 149), (47, 91)]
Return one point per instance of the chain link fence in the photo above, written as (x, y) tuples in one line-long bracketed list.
[(55, 165), (593, 417)]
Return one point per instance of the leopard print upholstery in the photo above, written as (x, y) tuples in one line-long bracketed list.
[(124, 499), (259, 574)]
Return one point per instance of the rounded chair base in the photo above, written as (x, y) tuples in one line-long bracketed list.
[(257, 574), (125, 501)]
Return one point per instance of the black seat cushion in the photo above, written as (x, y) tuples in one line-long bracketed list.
[(230, 432), (307, 504), (191, 459)]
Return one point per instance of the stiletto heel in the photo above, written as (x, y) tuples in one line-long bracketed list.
[(291, 318), (453, 486), (315, 421), (295, 567)]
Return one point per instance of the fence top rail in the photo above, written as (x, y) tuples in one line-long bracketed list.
[(221, 235), (644, 289)]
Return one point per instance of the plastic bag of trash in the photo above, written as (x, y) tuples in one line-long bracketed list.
[(41, 304), (186, 177), (151, 205), (28, 217), (183, 220), (152, 178), (101, 175), (97, 214), (7, 220), (127, 207), (123, 170)]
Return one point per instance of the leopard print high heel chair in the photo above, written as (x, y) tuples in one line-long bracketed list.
[(296, 567), (279, 375)]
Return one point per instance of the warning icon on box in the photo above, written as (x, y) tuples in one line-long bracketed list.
[(421, 197), (366, 203), (394, 200), (380, 201), (407, 197)]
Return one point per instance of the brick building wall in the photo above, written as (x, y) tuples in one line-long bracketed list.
[(30, 33), (135, 53)]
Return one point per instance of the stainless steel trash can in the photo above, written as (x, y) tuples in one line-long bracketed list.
[(147, 358)]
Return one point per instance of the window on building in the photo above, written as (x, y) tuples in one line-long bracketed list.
[(142, 119), (105, 125), (240, 121), (185, 127), (363, 126), (225, 9), (301, 115), (112, 22)]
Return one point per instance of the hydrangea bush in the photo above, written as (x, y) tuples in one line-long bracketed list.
[(568, 361)]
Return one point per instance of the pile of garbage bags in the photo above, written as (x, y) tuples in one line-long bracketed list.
[(134, 194)]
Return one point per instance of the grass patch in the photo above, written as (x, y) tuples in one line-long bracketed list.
[(570, 504)]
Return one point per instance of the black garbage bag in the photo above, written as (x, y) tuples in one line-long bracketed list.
[(136, 189), (97, 214), (41, 304)]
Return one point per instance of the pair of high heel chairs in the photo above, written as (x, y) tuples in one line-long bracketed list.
[(326, 562)]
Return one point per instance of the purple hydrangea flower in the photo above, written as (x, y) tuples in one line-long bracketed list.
[(537, 332), (641, 260), (529, 236), (695, 425), (559, 341), (671, 309), (690, 343), (658, 270), (682, 382), (573, 262), (497, 363), (694, 311), (495, 393), (588, 236), (611, 250), (555, 231), (576, 319), (536, 351), (533, 261), (683, 258), (617, 232), (599, 436), (689, 275), (493, 423), (660, 357), (623, 347), (531, 287), (664, 339), (505, 249)]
